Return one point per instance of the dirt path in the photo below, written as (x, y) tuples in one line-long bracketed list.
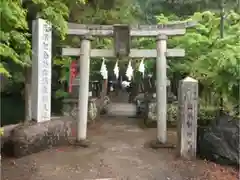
[(118, 151)]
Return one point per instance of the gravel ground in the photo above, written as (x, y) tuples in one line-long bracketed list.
[(118, 151)]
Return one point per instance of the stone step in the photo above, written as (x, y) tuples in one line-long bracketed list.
[(105, 179), (122, 109)]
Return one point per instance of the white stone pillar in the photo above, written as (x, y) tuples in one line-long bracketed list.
[(161, 88), (187, 120), (41, 70), (84, 63)]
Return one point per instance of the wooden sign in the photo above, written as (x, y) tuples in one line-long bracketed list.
[(121, 40), (72, 75)]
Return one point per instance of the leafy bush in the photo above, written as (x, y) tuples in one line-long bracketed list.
[(172, 112), (205, 114), (1, 132)]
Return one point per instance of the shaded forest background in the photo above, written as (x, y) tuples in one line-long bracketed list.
[(212, 47)]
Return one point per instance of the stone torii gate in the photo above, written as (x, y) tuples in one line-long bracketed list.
[(122, 36)]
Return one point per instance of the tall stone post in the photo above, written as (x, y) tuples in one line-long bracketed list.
[(84, 62), (187, 122), (41, 70), (161, 88), (103, 94)]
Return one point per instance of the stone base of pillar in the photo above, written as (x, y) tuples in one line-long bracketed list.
[(82, 143), (155, 144)]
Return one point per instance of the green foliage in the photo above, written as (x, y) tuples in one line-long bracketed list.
[(105, 12), (210, 59), (215, 61), (1, 132), (15, 37), (172, 112), (56, 11), (14, 44), (181, 8), (206, 114)]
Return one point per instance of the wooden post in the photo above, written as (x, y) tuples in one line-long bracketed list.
[(84, 62), (27, 94), (161, 88), (103, 93), (104, 88), (187, 123)]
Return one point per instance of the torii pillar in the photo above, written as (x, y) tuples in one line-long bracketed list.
[(161, 88), (84, 62)]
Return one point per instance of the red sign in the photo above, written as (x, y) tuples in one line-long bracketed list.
[(73, 74)]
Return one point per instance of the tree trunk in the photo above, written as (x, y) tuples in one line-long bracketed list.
[(27, 94)]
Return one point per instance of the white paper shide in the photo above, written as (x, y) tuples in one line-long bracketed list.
[(41, 70), (141, 67), (129, 72), (116, 70), (103, 70)]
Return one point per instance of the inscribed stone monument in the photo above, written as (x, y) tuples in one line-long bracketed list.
[(41, 70)]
